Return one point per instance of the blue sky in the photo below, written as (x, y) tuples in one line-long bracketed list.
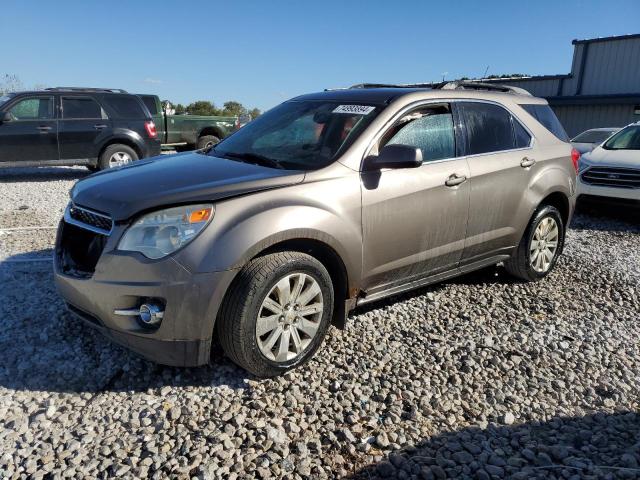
[(263, 52)]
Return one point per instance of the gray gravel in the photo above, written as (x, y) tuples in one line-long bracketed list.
[(475, 378)]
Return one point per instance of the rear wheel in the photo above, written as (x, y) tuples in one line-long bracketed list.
[(276, 313), (116, 155), (207, 141), (541, 244)]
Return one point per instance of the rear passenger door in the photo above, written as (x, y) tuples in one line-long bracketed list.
[(83, 124), (501, 161)]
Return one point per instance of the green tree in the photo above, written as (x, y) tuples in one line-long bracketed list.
[(255, 113), (202, 107), (233, 109), (10, 83), (180, 109)]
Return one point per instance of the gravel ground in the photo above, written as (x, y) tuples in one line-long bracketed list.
[(475, 378)]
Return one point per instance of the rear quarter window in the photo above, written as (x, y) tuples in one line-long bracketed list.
[(125, 106), (547, 118), (150, 103)]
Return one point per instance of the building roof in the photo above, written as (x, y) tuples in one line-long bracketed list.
[(606, 39)]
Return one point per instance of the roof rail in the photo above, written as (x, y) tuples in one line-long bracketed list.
[(391, 85), (86, 89), (470, 85)]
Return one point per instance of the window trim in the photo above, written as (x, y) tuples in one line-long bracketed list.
[(103, 116), (20, 99), (460, 128)]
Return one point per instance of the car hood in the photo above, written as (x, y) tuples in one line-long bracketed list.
[(618, 158), (583, 147), (167, 180)]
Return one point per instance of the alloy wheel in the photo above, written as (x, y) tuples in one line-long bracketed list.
[(119, 159), (289, 317), (544, 245)]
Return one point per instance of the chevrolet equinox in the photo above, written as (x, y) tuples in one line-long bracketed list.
[(326, 202)]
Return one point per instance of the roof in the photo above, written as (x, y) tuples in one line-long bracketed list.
[(607, 39), (374, 96)]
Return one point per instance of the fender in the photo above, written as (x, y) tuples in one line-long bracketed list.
[(121, 135)]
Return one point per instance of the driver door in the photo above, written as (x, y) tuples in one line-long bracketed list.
[(32, 133), (415, 219)]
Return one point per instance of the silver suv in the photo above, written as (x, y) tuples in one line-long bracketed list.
[(326, 202)]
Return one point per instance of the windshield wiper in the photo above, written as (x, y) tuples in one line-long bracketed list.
[(252, 158)]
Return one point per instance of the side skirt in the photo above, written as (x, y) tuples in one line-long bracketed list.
[(430, 279)]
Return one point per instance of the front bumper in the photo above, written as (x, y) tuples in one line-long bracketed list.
[(122, 280), (610, 192)]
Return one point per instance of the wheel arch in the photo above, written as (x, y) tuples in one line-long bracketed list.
[(210, 130), (560, 201), (122, 141)]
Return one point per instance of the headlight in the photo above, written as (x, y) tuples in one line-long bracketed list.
[(160, 233)]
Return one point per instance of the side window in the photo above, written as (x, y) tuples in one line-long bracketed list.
[(429, 128), (489, 128), (124, 106), (81, 108), (37, 108), (150, 103), (522, 137), (546, 117)]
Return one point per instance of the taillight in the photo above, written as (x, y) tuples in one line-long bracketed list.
[(150, 127), (575, 158)]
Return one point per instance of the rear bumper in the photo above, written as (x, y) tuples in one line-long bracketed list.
[(153, 148)]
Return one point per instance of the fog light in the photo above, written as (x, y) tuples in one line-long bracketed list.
[(151, 314)]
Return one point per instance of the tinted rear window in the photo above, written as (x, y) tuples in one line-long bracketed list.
[(546, 117), (150, 103), (80, 107), (125, 106)]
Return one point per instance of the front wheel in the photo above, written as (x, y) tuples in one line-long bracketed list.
[(276, 313), (541, 244)]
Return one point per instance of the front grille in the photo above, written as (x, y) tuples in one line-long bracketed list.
[(618, 177), (89, 219), (78, 250)]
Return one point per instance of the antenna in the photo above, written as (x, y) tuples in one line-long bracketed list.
[(486, 70)]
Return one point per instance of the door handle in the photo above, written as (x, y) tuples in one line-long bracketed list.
[(99, 127), (527, 162), (455, 180), (44, 128)]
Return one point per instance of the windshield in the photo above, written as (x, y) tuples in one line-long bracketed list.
[(593, 136), (626, 139), (298, 135), (4, 98)]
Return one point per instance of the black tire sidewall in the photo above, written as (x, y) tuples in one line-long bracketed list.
[(103, 162), (310, 267), (202, 141), (541, 214)]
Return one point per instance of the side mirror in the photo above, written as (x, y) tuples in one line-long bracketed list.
[(5, 117), (394, 156)]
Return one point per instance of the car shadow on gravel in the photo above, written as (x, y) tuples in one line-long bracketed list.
[(606, 217), (46, 348), (600, 445), (42, 174)]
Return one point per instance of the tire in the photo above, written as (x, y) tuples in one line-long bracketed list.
[(93, 168), (207, 141), (524, 263), (257, 283), (114, 153)]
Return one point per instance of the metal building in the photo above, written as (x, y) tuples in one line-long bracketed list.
[(602, 90)]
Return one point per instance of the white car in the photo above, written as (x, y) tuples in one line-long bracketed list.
[(613, 168)]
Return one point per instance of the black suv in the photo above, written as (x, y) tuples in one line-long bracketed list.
[(99, 128)]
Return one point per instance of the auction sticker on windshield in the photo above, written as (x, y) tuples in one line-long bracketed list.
[(354, 109)]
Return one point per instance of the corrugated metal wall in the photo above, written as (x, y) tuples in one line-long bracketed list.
[(612, 67), (578, 118)]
